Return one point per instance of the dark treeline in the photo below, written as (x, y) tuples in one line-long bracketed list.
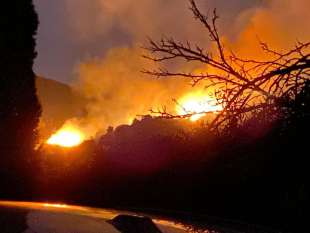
[(256, 173)]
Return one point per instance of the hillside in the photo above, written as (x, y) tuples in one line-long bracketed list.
[(59, 103)]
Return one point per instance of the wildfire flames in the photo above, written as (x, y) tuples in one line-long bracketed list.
[(68, 136), (197, 104)]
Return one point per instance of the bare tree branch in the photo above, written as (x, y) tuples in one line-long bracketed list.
[(243, 85)]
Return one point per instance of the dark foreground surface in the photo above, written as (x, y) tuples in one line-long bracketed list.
[(31, 217)]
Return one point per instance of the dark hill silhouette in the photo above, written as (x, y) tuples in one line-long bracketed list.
[(59, 103), (156, 164)]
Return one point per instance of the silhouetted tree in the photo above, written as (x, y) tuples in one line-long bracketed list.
[(243, 86), (19, 106)]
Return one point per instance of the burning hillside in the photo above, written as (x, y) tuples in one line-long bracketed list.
[(67, 136), (111, 83), (193, 106), (197, 105)]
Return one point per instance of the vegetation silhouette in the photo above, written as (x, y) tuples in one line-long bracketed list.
[(253, 170), (242, 86), (249, 164), (19, 107), (253, 178)]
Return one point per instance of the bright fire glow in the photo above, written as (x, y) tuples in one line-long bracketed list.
[(67, 136), (197, 104)]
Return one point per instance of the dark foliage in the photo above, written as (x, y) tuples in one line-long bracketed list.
[(255, 178), (160, 166), (255, 172), (155, 164), (19, 106)]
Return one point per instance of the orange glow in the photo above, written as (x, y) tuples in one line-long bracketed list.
[(68, 136), (198, 104), (55, 205)]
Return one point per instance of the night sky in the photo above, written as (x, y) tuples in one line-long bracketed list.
[(72, 31)]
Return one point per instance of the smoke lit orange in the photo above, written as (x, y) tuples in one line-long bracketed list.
[(67, 136)]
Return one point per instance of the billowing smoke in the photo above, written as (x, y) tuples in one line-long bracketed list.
[(112, 82), (137, 19), (279, 23), (117, 91)]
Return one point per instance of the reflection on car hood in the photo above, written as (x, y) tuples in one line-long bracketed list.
[(30, 217)]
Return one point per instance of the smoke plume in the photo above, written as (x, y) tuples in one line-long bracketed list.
[(111, 81)]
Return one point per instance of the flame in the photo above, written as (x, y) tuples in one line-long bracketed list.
[(68, 136), (198, 104)]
